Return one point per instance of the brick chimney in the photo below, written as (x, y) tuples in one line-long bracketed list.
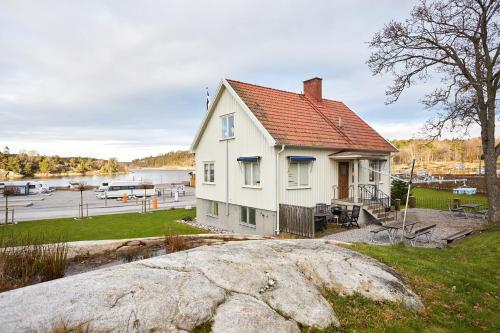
[(313, 89)]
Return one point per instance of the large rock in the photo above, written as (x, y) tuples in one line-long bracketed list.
[(280, 282)]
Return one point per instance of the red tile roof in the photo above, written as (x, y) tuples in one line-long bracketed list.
[(293, 119)]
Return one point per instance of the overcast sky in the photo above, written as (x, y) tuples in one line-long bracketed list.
[(127, 79)]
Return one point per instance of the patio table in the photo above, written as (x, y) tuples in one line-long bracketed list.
[(393, 228), (469, 208)]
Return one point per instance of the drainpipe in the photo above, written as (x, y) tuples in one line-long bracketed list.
[(227, 177), (278, 190)]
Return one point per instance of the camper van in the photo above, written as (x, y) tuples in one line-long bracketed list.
[(130, 188), (25, 188)]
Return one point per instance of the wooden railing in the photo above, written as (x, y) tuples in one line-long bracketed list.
[(297, 220)]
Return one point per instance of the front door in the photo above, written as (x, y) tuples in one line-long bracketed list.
[(343, 180)]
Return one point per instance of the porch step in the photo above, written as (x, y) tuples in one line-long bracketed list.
[(379, 215)]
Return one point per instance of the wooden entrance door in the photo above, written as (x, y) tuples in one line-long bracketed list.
[(343, 180)]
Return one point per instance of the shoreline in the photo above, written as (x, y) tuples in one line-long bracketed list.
[(173, 168)]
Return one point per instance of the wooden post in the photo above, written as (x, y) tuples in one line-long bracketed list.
[(412, 202), (397, 205)]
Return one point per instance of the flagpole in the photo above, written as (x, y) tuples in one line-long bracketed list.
[(208, 98), (407, 199)]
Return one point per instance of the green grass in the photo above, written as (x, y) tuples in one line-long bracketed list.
[(459, 286), (439, 199), (116, 226)]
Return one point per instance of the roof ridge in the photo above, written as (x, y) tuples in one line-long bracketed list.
[(331, 123), (281, 90)]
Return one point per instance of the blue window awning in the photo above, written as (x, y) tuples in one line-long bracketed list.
[(248, 158), (302, 158)]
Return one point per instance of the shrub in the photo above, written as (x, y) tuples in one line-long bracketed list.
[(399, 190)]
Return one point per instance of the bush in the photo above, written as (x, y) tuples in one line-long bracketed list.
[(399, 190)]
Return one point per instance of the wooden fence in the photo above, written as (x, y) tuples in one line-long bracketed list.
[(297, 220)]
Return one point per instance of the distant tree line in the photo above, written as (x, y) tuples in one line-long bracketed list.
[(28, 163), (425, 151), (179, 158)]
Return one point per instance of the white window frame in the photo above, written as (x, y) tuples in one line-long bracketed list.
[(254, 183), (300, 165), (247, 211), (225, 122), (213, 208), (209, 180)]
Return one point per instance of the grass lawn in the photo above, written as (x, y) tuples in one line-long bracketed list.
[(459, 286), (439, 199), (116, 226)]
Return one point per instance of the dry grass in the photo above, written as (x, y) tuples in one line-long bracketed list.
[(176, 243), (63, 327), (24, 265)]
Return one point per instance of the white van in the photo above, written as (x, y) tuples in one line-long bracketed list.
[(130, 188)]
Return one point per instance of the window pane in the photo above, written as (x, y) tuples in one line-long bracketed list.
[(248, 173), (243, 217), (206, 173), (251, 217), (230, 125), (216, 208), (304, 174), (292, 175), (256, 174), (224, 127), (212, 173)]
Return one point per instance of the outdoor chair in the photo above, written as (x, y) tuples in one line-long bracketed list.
[(352, 217), (456, 210), (417, 233), (319, 223)]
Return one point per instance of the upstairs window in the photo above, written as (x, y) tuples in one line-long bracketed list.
[(227, 126), (209, 172), (252, 173)]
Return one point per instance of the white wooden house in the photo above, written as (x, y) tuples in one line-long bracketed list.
[(260, 149)]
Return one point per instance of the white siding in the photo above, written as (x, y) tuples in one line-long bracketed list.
[(248, 141), (323, 175)]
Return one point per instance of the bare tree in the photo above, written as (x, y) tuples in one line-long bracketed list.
[(81, 187), (7, 192), (457, 42)]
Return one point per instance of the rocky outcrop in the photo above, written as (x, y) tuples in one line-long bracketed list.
[(246, 286)]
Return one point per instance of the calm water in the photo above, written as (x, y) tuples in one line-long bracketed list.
[(148, 175)]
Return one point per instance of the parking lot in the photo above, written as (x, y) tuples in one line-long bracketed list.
[(66, 204)]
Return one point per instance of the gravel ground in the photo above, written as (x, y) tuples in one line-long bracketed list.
[(446, 224), (208, 227)]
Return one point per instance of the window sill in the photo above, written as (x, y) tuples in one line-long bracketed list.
[(248, 225), (227, 139), (213, 216), (207, 183), (252, 187), (299, 188)]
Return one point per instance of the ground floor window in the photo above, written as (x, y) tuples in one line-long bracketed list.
[(213, 208), (248, 215)]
